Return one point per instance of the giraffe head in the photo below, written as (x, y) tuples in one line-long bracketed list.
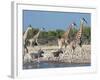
[(29, 28), (73, 24), (42, 29), (83, 20)]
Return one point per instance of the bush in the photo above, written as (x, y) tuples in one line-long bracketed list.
[(86, 36)]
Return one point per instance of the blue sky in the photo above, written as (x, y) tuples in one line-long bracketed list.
[(53, 20)]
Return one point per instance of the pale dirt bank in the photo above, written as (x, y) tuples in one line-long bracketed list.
[(79, 55)]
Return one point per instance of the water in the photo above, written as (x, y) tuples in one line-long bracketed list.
[(44, 64)]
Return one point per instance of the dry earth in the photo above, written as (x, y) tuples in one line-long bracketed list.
[(79, 55)]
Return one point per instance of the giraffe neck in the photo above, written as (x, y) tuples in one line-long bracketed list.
[(26, 34), (81, 27), (37, 35), (79, 33), (67, 32)]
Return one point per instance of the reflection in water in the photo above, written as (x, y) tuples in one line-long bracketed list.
[(44, 64)]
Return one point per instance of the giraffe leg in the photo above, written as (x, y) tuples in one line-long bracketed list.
[(30, 43), (37, 42), (80, 43), (73, 45), (66, 43), (26, 48)]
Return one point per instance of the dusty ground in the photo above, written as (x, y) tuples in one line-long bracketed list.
[(79, 55)]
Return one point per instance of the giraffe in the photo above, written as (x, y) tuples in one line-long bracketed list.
[(25, 37), (64, 39), (35, 38), (78, 37)]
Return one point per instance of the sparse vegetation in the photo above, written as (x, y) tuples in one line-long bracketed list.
[(54, 34)]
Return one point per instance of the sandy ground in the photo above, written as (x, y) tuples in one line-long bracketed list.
[(36, 48), (79, 55)]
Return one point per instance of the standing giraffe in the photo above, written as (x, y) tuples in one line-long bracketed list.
[(64, 40), (78, 37), (35, 38), (25, 37)]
